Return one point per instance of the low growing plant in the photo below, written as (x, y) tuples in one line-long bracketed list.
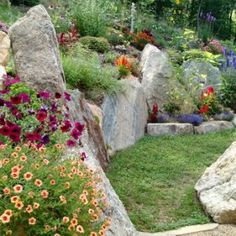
[(98, 44), (123, 65), (41, 195)]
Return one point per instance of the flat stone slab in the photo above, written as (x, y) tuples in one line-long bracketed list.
[(184, 231), (212, 126), (159, 129)]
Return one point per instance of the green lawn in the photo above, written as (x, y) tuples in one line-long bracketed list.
[(155, 178)]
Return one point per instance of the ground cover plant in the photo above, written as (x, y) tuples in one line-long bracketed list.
[(155, 178)]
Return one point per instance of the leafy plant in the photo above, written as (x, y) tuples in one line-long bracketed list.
[(90, 16), (98, 44), (115, 37), (43, 196), (153, 114), (227, 93), (214, 47), (83, 70), (193, 119)]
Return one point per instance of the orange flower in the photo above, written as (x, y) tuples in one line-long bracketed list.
[(123, 61), (19, 205), (38, 182), (52, 182), (36, 205), (29, 209), (15, 175), (101, 233), (44, 194), (28, 176), (18, 188), (63, 199), (65, 220), (23, 157), (67, 185), (5, 218), (6, 191), (18, 148), (15, 199), (93, 234), (80, 229), (15, 169), (14, 154), (74, 221), (32, 221), (8, 212)]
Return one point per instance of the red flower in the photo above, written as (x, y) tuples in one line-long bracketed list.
[(16, 100), (70, 143), (79, 126), (5, 131), (33, 136), (204, 109), (41, 115), (66, 127)]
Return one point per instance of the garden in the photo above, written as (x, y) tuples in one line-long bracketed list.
[(114, 113)]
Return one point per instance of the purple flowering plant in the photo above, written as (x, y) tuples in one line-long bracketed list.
[(36, 117)]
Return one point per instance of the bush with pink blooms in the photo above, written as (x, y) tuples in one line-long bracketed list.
[(38, 117), (214, 47)]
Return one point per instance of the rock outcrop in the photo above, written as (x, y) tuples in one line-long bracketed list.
[(157, 71), (217, 188), (94, 147), (125, 116), (199, 74), (36, 52)]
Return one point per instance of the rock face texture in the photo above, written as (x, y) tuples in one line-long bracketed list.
[(35, 50), (80, 110), (4, 48), (217, 188), (94, 146), (212, 126), (199, 75), (169, 129), (157, 72), (125, 116)]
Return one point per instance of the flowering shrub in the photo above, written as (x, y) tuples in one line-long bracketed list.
[(214, 47), (153, 114), (41, 196), (208, 104), (67, 39), (142, 38), (123, 65), (37, 117)]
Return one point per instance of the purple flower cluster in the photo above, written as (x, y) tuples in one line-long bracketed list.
[(207, 17), (229, 60), (193, 119), (30, 116)]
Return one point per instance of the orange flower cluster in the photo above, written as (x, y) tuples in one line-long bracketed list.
[(38, 190), (123, 61)]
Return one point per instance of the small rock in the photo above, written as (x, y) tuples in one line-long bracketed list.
[(156, 129), (212, 126)]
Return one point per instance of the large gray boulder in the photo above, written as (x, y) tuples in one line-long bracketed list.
[(199, 74), (125, 116), (35, 50), (157, 72), (95, 149), (217, 188)]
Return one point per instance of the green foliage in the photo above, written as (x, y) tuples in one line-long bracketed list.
[(115, 37), (228, 89), (109, 57), (83, 70), (9, 14), (162, 172), (199, 54), (97, 44), (90, 16), (25, 2)]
